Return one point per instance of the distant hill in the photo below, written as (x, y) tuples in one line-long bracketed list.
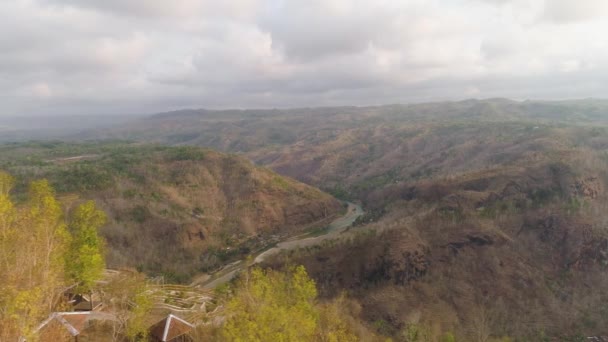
[(24, 128), (173, 210), (350, 149)]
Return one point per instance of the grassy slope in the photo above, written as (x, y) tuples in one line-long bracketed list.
[(175, 210)]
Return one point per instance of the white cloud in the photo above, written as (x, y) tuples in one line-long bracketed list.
[(568, 11), (135, 55), (41, 90)]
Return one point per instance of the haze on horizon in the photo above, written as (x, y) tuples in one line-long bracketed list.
[(73, 57)]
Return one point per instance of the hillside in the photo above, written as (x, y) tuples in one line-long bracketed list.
[(484, 218), (173, 211), (519, 252), (348, 150)]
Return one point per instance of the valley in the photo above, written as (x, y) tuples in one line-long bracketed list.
[(481, 220), (473, 209), (303, 171), (333, 231), (204, 208)]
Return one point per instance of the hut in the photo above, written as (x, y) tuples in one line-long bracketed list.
[(62, 326), (171, 329)]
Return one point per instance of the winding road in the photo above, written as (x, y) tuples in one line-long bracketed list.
[(334, 229)]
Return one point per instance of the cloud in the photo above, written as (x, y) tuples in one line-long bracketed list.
[(568, 11), (308, 30), (102, 56)]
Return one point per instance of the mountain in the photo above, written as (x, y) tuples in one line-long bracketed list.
[(175, 211), (25, 128), (485, 218), (347, 150), (518, 251)]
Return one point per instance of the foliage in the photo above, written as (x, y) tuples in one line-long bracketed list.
[(332, 324), (186, 153), (84, 261), (275, 306), (448, 337), (271, 306), (415, 333), (33, 242), (131, 305), (81, 178), (190, 200)]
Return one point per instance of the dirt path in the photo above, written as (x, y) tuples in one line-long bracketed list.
[(334, 229)]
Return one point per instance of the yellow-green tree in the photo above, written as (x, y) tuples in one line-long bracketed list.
[(333, 327), (275, 306), (33, 242), (85, 261), (130, 302)]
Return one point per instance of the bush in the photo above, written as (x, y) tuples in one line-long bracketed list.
[(186, 153)]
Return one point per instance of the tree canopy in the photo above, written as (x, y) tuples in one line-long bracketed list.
[(281, 306), (84, 261), (34, 245)]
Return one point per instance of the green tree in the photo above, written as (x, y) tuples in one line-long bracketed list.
[(33, 243), (6, 183), (415, 333), (84, 261), (130, 302), (448, 337), (275, 306)]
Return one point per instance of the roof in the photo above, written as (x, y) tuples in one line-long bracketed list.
[(81, 303), (73, 322), (170, 328)]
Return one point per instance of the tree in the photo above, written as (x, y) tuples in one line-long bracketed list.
[(6, 183), (274, 306), (84, 261), (271, 306), (33, 242), (131, 303), (332, 325)]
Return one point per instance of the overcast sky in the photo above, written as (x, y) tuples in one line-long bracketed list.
[(145, 56)]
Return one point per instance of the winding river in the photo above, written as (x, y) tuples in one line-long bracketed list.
[(335, 228)]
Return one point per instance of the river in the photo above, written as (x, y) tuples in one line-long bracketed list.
[(336, 227)]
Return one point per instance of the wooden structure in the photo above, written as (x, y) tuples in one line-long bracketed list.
[(70, 326), (62, 326), (171, 329)]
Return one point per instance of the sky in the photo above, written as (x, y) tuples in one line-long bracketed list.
[(145, 56)]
